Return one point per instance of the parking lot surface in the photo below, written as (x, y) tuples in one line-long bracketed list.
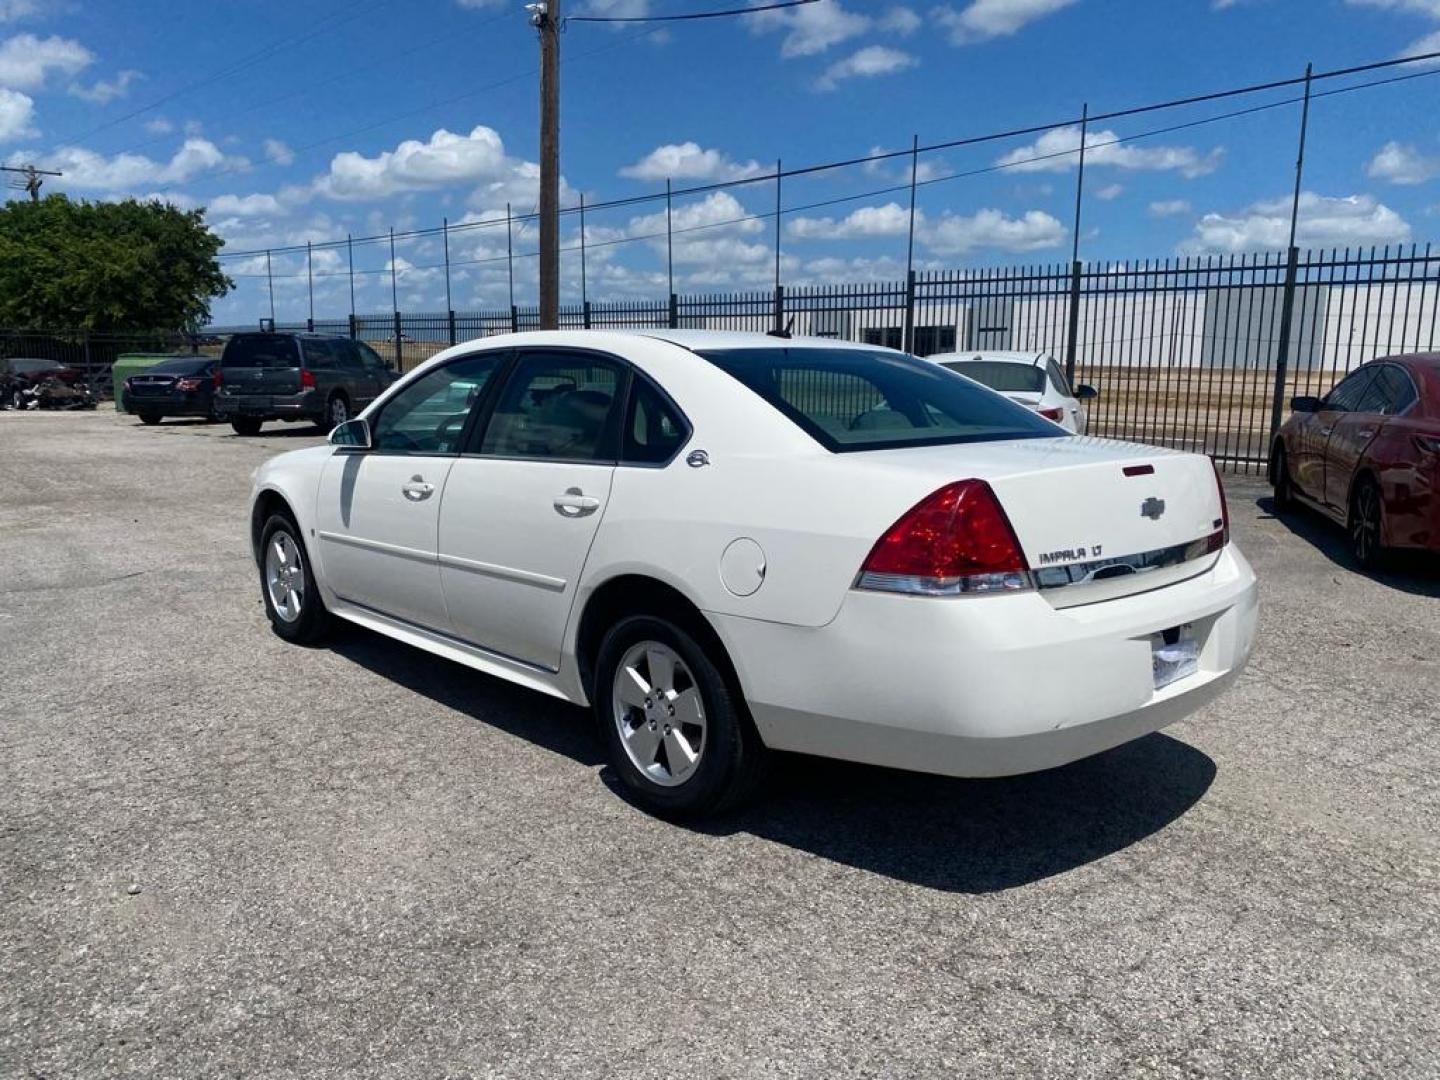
[(224, 856)]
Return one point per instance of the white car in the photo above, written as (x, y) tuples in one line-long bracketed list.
[(1033, 379), (729, 544)]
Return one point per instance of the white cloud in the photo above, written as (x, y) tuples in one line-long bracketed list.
[(982, 20), (159, 126), (26, 61), (1169, 208), (17, 111), (1058, 151), (1402, 163), (101, 92), (1418, 7), (256, 205), (868, 62), (442, 160), (1110, 192), (14, 10), (278, 152), (87, 169), (689, 161), (890, 219), (810, 29), (900, 20), (956, 234), (1324, 222), (950, 234)]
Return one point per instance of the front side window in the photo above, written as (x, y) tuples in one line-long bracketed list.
[(854, 399), (1002, 375), (654, 431), (556, 405), (428, 416), (1346, 397)]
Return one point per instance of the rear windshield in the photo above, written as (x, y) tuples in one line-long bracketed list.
[(261, 352), (1002, 376), (183, 365), (854, 399)]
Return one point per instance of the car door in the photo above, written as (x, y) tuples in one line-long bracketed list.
[(1313, 433), (1349, 433), (519, 513), (378, 510), (1069, 405)]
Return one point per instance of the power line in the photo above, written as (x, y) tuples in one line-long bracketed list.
[(688, 16), (340, 16), (1033, 129)]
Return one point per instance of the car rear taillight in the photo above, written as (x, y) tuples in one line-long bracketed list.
[(954, 541), (188, 385), (1052, 414), (307, 379), (217, 378)]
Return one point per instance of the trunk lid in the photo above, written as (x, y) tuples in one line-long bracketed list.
[(1096, 519)]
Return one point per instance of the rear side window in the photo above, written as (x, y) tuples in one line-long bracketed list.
[(1002, 376), (654, 430), (321, 355), (261, 352), (1393, 391), (853, 399), (556, 405)]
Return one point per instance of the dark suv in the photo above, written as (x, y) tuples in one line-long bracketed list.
[(315, 377)]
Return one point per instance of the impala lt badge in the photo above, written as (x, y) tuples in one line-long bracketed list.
[(1152, 508)]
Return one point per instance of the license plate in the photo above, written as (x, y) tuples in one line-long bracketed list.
[(1170, 663)]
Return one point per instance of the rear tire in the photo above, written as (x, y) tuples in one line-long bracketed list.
[(678, 735), (148, 417), (287, 585), (1366, 525), (246, 426), (1284, 486), (337, 412)]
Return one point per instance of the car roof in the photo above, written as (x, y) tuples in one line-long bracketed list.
[(697, 340), (1003, 356)]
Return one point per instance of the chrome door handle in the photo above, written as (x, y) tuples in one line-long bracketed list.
[(575, 503), (1366, 433), (417, 490), (1327, 430)]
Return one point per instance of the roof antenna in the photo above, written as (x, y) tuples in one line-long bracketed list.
[(790, 325)]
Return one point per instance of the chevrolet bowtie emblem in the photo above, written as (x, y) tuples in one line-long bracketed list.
[(1152, 508)]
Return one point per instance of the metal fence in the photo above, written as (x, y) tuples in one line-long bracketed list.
[(1192, 353)]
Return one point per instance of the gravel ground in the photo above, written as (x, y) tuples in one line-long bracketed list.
[(225, 856)]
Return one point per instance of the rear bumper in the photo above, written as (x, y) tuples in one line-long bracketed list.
[(988, 686), (305, 405), (165, 405)]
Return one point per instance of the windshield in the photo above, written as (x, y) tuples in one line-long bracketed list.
[(261, 351), (855, 399), (1002, 375), (182, 365)]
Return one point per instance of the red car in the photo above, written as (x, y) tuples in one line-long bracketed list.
[(1368, 456)]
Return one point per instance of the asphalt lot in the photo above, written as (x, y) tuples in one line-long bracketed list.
[(224, 856)]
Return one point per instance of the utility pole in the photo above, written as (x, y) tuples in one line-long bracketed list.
[(545, 17), (32, 180)]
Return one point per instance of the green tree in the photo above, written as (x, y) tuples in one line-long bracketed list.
[(107, 266)]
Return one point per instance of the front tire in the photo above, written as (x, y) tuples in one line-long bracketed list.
[(1284, 486), (678, 734), (287, 585), (1366, 525), (246, 426)]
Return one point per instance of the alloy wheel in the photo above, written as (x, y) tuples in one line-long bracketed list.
[(339, 411), (285, 576), (659, 713), (1365, 524)]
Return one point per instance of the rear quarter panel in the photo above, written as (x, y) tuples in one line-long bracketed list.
[(1408, 481)]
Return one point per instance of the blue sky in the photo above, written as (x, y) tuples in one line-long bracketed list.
[(308, 119)]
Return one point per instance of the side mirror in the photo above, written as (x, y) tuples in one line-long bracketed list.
[(1086, 393), (1305, 404), (353, 433)]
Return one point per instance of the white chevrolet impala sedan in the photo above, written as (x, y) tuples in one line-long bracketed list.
[(728, 544)]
